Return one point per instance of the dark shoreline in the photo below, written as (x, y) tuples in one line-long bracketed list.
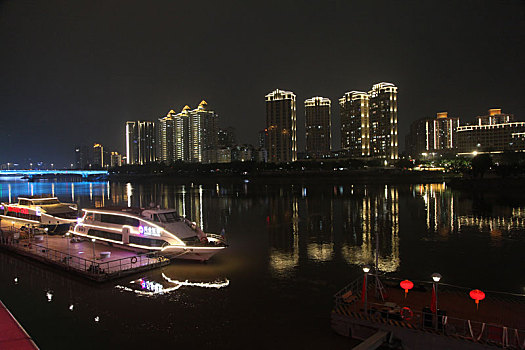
[(350, 177)]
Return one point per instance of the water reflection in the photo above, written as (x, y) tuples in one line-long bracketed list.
[(372, 225), (448, 212), (308, 223), (151, 288)]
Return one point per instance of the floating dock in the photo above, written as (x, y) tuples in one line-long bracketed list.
[(497, 322), (12, 334), (96, 261)]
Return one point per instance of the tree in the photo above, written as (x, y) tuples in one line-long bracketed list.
[(480, 164)]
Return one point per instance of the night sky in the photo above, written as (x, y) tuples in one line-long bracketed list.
[(72, 72)]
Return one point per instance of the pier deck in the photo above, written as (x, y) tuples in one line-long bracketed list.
[(498, 322), (84, 258), (12, 334)]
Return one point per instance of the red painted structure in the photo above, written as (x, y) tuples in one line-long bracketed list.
[(12, 335)]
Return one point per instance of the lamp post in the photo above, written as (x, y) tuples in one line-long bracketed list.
[(366, 269), (93, 240), (46, 230), (436, 277), (68, 252)]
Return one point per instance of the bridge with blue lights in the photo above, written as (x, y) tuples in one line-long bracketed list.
[(32, 173)]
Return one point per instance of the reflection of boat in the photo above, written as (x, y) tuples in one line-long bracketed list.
[(149, 230), (143, 286), (43, 211)]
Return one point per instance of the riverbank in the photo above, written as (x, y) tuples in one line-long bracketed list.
[(362, 176), (490, 183)]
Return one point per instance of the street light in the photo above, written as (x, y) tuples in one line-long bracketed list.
[(68, 252), (436, 277), (93, 240), (366, 269), (46, 230)]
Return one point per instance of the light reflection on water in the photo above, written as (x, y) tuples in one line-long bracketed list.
[(291, 248)]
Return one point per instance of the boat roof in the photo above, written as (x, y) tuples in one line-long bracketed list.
[(39, 197), (134, 211)]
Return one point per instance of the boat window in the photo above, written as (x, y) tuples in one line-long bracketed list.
[(46, 202), (147, 241), (155, 218), (119, 220), (104, 234), (90, 217), (169, 217), (23, 202)]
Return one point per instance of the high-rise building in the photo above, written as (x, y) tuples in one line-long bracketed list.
[(167, 150), (242, 153), (494, 133), (318, 125), (383, 121), (141, 141), (83, 157), (116, 159), (98, 155), (432, 136), (355, 131), (186, 135), (226, 137), (495, 117), (281, 122), (263, 139)]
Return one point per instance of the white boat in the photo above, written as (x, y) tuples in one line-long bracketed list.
[(160, 230), (40, 211)]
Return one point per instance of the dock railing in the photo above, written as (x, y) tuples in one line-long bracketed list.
[(349, 299), (74, 262)]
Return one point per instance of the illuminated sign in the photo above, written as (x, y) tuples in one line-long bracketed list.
[(149, 231), (18, 210)]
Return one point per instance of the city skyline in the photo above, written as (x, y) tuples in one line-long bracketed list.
[(75, 75)]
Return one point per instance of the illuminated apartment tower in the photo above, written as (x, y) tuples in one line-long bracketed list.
[(141, 145), (204, 130), (441, 132), (432, 136), (98, 155), (355, 134), (383, 121), (166, 135), (317, 112), (281, 122), (185, 135)]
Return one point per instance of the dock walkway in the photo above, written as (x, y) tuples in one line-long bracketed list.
[(96, 261), (497, 322), (12, 334)]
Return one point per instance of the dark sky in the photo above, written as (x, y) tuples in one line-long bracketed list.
[(73, 72)]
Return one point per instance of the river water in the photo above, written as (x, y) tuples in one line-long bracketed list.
[(291, 248)]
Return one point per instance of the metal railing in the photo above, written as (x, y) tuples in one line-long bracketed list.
[(74, 262), (489, 333)]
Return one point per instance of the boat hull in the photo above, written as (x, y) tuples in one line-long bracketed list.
[(191, 253), (197, 253)]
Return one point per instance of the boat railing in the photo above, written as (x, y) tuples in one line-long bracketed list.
[(94, 266), (348, 301)]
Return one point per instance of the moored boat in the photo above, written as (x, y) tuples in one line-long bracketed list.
[(149, 230), (42, 211)]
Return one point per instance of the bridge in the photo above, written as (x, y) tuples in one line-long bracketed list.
[(31, 173)]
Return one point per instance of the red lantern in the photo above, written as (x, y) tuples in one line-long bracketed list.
[(406, 285), (477, 295)]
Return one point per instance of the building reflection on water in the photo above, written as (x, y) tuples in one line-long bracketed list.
[(449, 212), (319, 225)]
